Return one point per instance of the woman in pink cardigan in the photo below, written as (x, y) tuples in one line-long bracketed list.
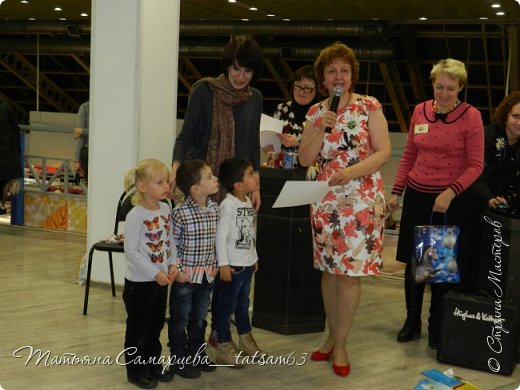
[(443, 156)]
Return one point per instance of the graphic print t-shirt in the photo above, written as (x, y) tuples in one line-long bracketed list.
[(236, 233), (148, 242)]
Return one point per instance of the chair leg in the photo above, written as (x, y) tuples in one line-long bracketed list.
[(112, 274), (87, 283)]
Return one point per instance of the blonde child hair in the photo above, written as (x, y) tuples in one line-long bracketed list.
[(143, 171)]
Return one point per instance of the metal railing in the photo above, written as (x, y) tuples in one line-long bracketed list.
[(47, 176)]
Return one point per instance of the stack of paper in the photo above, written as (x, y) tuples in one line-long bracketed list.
[(298, 193), (269, 130)]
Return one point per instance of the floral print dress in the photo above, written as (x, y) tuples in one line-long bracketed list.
[(348, 223)]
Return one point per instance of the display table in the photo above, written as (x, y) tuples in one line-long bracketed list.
[(55, 211), (287, 295)]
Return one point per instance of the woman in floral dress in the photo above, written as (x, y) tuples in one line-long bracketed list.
[(348, 223)]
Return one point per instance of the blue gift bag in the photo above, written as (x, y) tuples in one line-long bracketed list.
[(435, 252)]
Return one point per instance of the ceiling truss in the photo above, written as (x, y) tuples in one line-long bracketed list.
[(395, 61)]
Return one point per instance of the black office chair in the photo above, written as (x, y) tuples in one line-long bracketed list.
[(123, 207)]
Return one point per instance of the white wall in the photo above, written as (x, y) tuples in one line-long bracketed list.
[(388, 171), (158, 60), (51, 144), (133, 86)]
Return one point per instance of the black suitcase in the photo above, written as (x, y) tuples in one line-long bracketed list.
[(499, 265), (478, 332)]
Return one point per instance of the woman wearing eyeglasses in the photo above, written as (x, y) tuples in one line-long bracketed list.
[(443, 156), (292, 112), (499, 185), (501, 176)]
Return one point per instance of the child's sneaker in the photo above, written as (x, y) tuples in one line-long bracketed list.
[(248, 345), (227, 354), (212, 340)]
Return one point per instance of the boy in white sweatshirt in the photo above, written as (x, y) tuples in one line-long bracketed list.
[(237, 260)]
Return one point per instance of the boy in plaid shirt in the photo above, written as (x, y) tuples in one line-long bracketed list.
[(194, 225)]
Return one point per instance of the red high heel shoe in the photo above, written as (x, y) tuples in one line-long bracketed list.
[(318, 356), (341, 370)]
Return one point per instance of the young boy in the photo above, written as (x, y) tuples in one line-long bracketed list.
[(237, 260), (194, 225)]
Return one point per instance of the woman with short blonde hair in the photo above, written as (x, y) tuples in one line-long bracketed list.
[(443, 156)]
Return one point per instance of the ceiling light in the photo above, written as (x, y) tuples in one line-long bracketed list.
[(244, 20), (483, 18), (63, 18), (286, 19), (253, 9), (84, 14), (271, 15), (24, 2), (32, 19), (495, 5), (423, 18), (231, 1), (58, 9), (500, 13)]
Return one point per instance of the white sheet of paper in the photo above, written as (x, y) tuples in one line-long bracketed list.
[(297, 193), (269, 128)]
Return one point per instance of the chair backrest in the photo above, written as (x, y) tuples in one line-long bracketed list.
[(124, 205)]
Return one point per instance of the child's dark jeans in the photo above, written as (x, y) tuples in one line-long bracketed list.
[(233, 297), (189, 303)]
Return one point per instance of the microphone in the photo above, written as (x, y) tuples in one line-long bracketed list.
[(336, 95)]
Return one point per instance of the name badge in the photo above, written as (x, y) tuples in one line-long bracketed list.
[(420, 129)]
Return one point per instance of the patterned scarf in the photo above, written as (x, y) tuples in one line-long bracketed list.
[(222, 139)]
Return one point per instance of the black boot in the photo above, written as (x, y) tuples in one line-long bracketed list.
[(414, 292), (411, 330)]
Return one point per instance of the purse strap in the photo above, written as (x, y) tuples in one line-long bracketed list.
[(445, 218)]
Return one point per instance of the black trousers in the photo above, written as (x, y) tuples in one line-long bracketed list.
[(145, 304), (414, 293), (417, 210)]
